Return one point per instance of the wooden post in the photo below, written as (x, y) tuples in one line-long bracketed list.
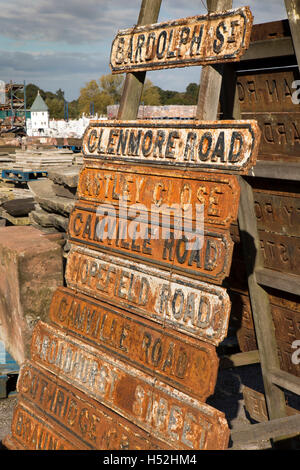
[(211, 76), (134, 82), (293, 13)]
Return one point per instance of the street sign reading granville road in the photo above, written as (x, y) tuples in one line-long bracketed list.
[(185, 363), (224, 146), (198, 40)]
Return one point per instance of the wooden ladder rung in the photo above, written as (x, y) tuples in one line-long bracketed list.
[(285, 380)]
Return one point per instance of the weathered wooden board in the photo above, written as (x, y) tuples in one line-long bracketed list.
[(92, 423), (32, 431), (207, 256), (165, 412), (190, 306), (184, 363), (198, 40), (268, 91), (226, 146), (160, 190)]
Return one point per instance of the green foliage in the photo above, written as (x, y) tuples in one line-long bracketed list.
[(106, 91)]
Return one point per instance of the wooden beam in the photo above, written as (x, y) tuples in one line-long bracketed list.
[(278, 280), (239, 359), (260, 305), (287, 427), (276, 170), (211, 77), (268, 49), (134, 82), (293, 13), (285, 380)]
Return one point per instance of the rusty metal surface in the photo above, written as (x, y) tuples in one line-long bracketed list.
[(268, 91), (160, 189), (280, 135), (206, 256), (185, 363), (277, 211), (280, 252), (226, 146), (190, 306), (255, 404), (95, 425), (198, 40), (32, 431), (165, 412)]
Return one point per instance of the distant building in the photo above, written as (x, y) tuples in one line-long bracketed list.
[(39, 121)]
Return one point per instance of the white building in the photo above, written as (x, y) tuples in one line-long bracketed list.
[(39, 120)]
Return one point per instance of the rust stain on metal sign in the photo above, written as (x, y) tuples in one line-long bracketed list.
[(278, 213), (280, 135), (197, 40), (33, 432), (183, 362), (94, 424), (165, 412), (159, 192), (190, 306), (268, 91), (205, 255), (227, 146), (280, 252)]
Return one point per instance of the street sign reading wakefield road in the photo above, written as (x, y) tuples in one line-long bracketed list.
[(190, 306), (181, 361), (198, 40), (160, 189), (161, 410), (227, 146), (91, 422), (207, 256)]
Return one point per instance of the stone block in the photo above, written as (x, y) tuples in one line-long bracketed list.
[(31, 268)]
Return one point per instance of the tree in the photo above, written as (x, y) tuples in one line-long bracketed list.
[(102, 93), (112, 85), (150, 95)]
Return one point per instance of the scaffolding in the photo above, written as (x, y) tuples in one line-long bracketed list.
[(13, 106)]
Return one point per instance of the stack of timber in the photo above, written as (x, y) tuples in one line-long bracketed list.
[(54, 200), (132, 340), (42, 158)]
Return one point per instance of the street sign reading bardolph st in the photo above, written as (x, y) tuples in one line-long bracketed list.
[(165, 412), (226, 146), (198, 40), (183, 362), (187, 305)]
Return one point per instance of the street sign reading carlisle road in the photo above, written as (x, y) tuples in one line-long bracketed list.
[(224, 146), (198, 40)]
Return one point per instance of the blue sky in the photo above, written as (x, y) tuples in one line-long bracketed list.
[(64, 44)]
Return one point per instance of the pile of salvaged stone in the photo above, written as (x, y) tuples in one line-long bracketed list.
[(54, 199), (42, 158)]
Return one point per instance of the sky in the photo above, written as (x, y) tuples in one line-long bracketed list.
[(66, 43)]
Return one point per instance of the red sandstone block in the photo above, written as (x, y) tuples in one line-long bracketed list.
[(31, 268)]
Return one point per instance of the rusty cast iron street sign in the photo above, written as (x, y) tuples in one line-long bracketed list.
[(183, 362), (95, 425), (280, 252), (30, 431), (227, 146), (198, 40), (159, 409), (207, 256), (161, 190), (190, 306)]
